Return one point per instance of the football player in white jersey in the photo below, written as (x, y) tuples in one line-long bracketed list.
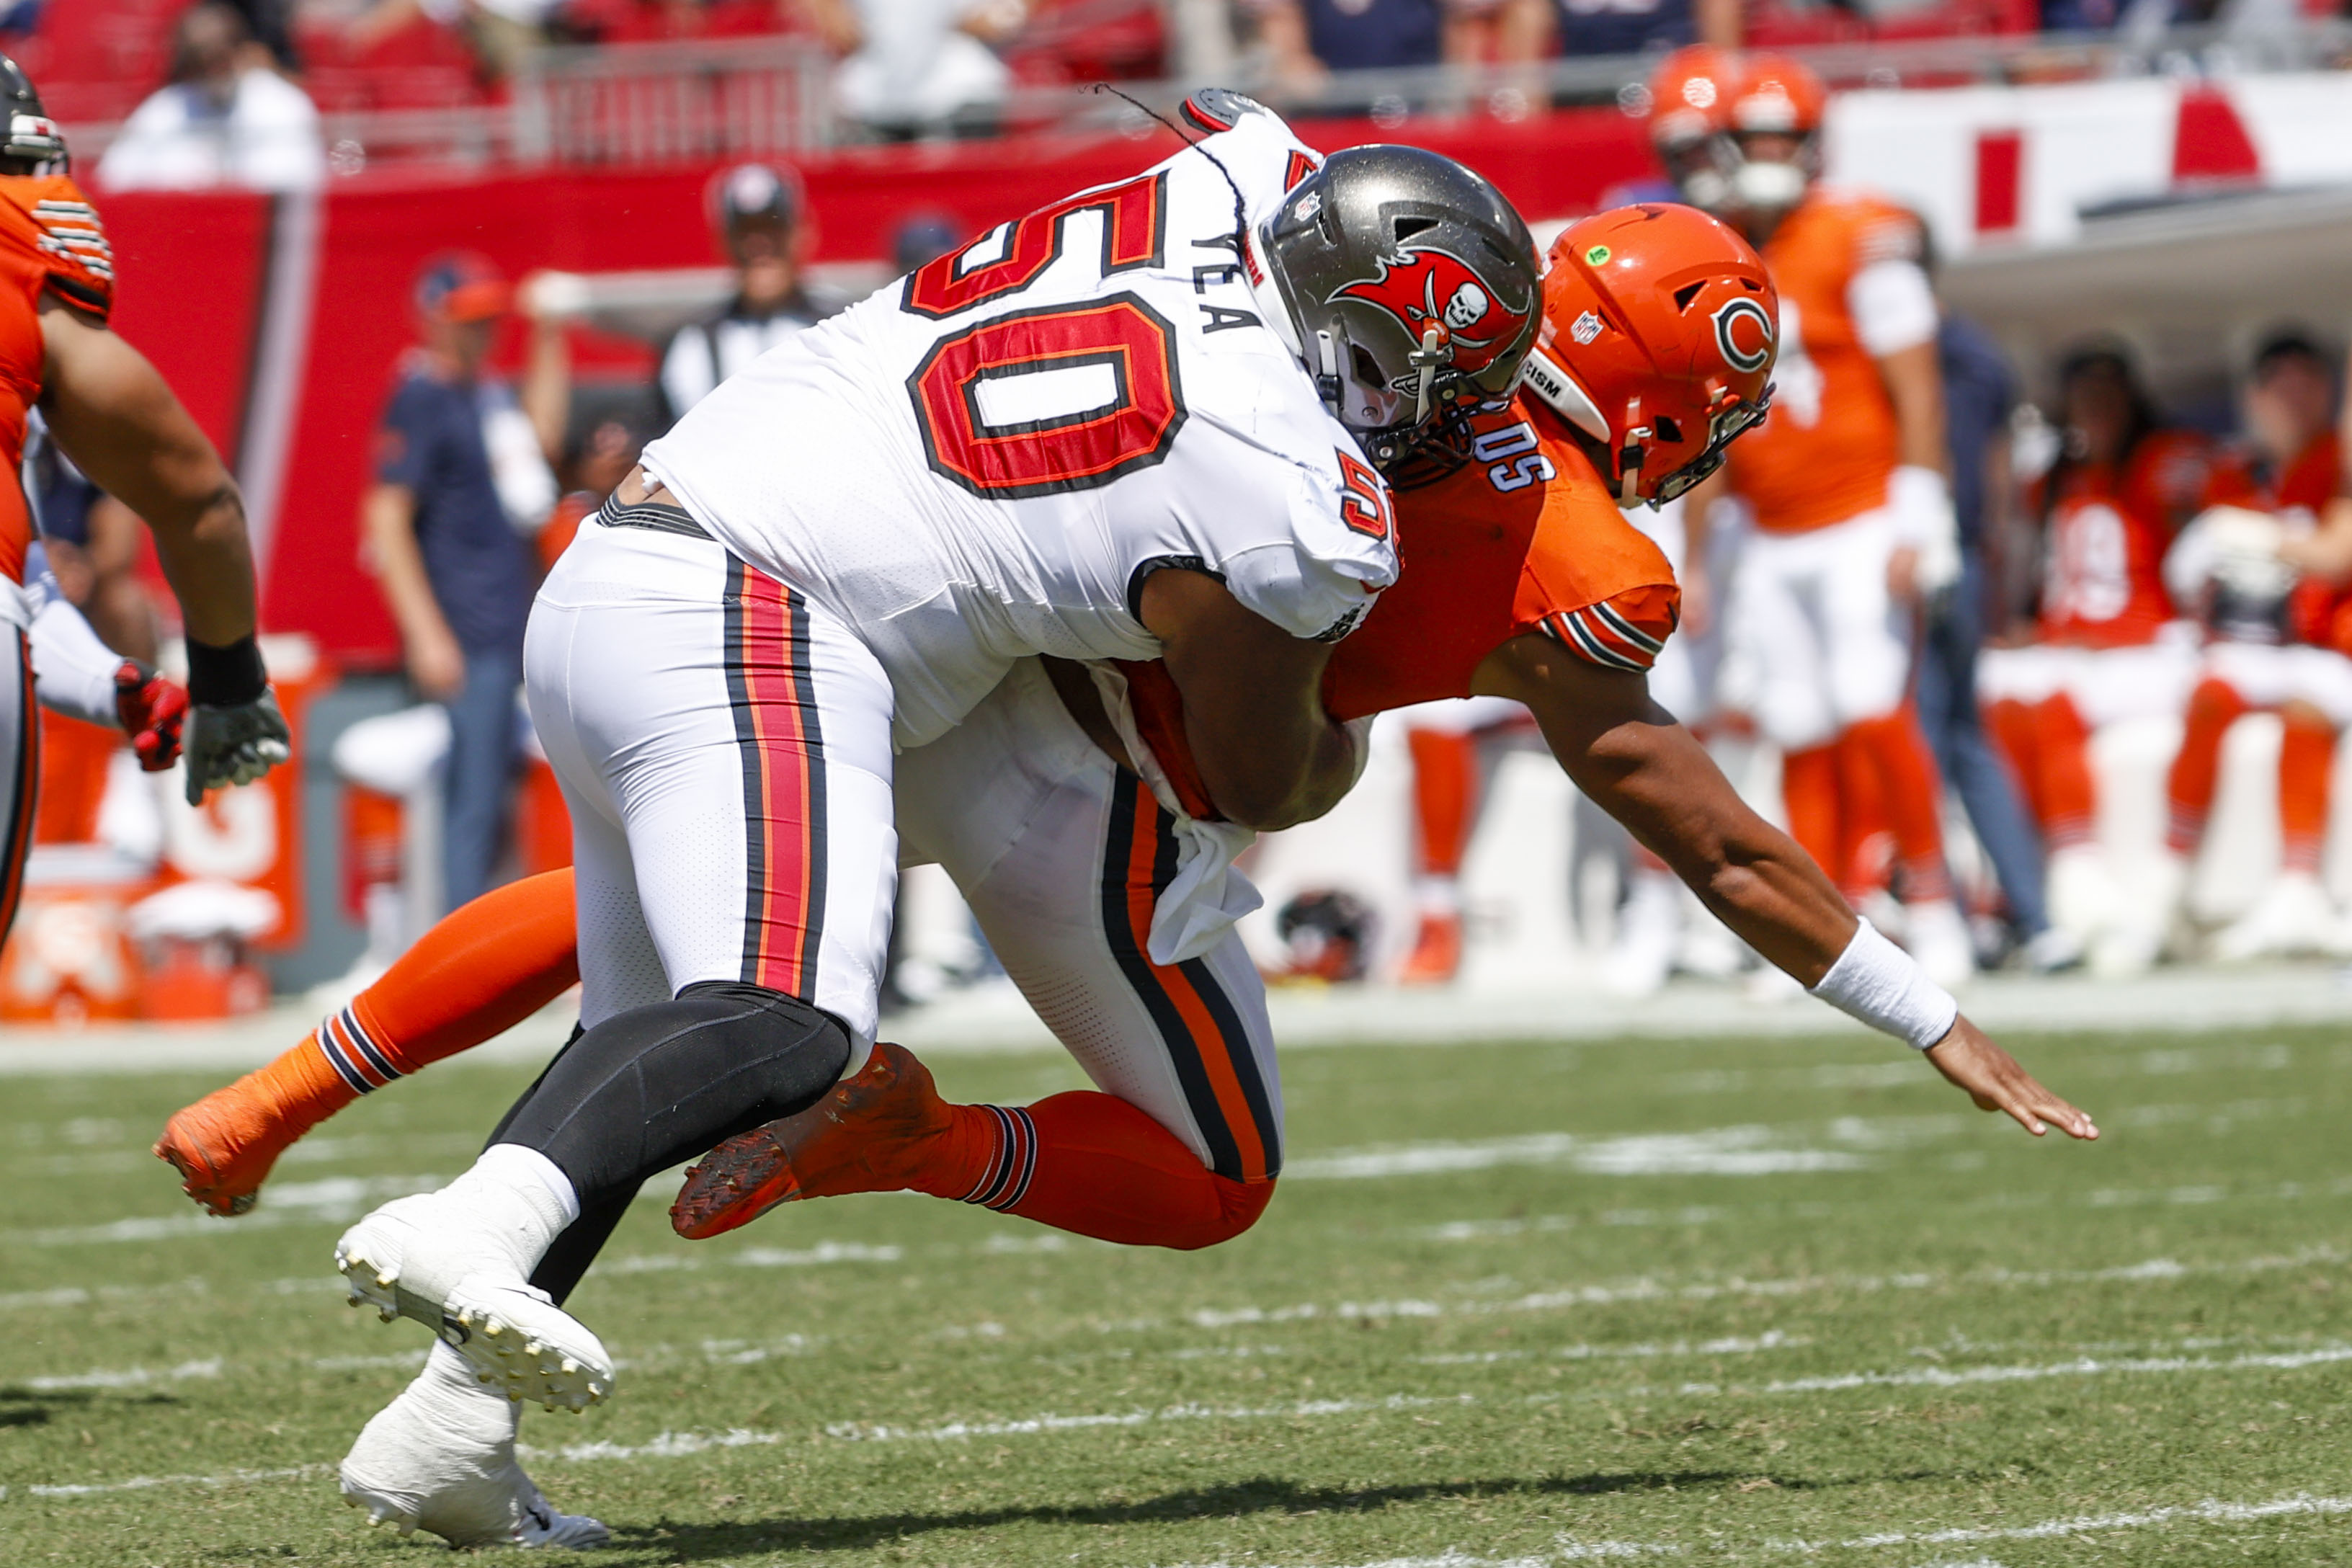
[(1145, 422)]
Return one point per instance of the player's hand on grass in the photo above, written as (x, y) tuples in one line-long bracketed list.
[(1992, 1079)]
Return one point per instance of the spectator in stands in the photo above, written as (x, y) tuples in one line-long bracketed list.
[(1307, 39), (759, 211), (502, 34), (462, 482), (1979, 392), (921, 238), (226, 118), (919, 68), (1636, 27)]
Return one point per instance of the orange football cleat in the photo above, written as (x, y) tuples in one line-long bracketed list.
[(223, 1146), (1436, 951), (881, 1130)]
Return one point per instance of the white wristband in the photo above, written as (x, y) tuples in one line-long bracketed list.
[(1878, 982)]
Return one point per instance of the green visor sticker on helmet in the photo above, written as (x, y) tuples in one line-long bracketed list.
[(1597, 257)]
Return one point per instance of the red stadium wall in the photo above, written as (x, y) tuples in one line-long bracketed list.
[(197, 271)]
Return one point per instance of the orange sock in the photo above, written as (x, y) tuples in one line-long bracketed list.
[(1809, 793), (2306, 766), (2213, 707), (2068, 806), (1866, 847), (1105, 1169), (484, 969), (1912, 798), (1445, 787), (2016, 731)]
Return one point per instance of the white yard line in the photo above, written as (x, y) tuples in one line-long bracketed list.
[(1566, 1549), (868, 1431)]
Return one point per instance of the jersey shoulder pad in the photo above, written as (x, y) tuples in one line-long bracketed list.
[(64, 229), (1592, 579), (1340, 553), (1215, 109), (1871, 228)]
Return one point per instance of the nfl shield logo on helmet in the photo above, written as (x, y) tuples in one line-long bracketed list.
[(1424, 287)]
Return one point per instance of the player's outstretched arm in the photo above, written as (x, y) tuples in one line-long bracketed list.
[(1269, 754), (117, 418), (1644, 769)]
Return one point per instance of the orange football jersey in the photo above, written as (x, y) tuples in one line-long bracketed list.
[(1525, 539), (2319, 612), (49, 239), (2109, 526), (1824, 452)]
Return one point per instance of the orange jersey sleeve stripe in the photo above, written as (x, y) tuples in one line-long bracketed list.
[(1626, 631)]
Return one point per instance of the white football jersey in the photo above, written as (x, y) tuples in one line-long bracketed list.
[(985, 460)]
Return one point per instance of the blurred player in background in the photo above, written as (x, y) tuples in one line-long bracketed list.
[(1845, 483), (2106, 645), (114, 417), (1529, 584), (2276, 635), (759, 215), (1979, 393)]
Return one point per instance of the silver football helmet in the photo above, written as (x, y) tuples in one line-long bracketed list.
[(1411, 288)]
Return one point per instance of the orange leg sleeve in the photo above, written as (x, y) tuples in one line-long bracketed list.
[(1107, 1170), (2068, 803), (1808, 792), (2012, 726), (1445, 791), (1867, 845), (484, 969), (2213, 707), (2307, 769), (1913, 797)]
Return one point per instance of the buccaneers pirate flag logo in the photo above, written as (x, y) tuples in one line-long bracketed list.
[(1424, 285)]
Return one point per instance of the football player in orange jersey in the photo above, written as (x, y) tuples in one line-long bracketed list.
[(2107, 645), (110, 411), (2258, 578), (1080, 853), (1846, 484)]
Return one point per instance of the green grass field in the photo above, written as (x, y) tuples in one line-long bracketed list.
[(1740, 1302)]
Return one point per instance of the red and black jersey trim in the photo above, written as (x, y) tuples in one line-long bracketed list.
[(1604, 636), (1208, 1045), (782, 745)]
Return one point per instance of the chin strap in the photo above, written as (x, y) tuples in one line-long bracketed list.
[(1327, 375)]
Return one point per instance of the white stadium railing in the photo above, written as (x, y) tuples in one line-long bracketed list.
[(654, 104)]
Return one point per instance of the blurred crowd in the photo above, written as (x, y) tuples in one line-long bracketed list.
[(245, 80)]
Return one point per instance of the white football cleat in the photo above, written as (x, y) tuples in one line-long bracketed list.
[(433, 1257), (2294, 917), (1937, 937), (2145, 915), (441, 1457), (1649, 928), (2083, 899)]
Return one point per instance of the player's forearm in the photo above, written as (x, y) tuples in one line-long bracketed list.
[(1292, 774), (547, 387), (1914, 385), (1662, 784), (388, 523), (208, 560)]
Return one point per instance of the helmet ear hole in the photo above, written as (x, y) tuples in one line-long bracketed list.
[(1668, 430), (1366, 368)]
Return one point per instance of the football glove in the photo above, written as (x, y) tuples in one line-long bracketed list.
[(234, 744), (152, 711)]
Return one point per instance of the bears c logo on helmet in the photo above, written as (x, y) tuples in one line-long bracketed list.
[(1743, 330), (1425, 286)]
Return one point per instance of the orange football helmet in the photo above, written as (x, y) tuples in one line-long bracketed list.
[(1659, 325), (1781, 98), (1690, 110)]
